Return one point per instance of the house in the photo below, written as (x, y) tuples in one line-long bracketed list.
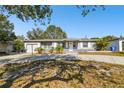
[(68, 44), (116, 45), (6, 47)]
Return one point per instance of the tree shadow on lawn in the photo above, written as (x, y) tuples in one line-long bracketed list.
[(45, 57), (49, 57), (65, 71)]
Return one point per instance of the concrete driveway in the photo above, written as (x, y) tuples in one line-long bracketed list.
[(103, 58), (26, 58), (17, 56)]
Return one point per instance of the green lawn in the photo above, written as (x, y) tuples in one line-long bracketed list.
[(104, 53), (58, 74)]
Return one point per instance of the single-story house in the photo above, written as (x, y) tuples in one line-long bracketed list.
[(68, 44), (81, 45), (116, 45)]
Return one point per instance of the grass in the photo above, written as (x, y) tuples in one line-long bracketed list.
[(103, 53), (62, 74)]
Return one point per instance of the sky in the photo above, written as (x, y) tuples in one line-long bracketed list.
[(96, 24)]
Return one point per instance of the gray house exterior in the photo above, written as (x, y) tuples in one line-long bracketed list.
[(68, 44), (6, 47), (117, 44)]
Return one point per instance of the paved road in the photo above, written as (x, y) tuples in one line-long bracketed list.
[(26, 58)]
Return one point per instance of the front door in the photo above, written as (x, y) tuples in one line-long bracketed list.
[(70, 46)]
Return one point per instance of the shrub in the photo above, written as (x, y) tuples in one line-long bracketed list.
[(51, 50), (101, 44), (18, 45), (39, 50), (59, 49), (121, 52)]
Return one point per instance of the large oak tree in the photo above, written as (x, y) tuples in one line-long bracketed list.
[(27, 12), (53, 32), (39, 13), (6, 30)]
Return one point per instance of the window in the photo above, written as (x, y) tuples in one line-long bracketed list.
[(85, 44), (47, 45), (60, 43)]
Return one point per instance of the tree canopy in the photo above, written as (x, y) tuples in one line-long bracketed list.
[(18, 45), (6, 29), (39, 13), (35, 34), (27, 12), (109, 37), (53, 32), (21, 37), (86, 9), (103, 42)]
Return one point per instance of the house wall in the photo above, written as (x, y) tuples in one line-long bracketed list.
[(7, 48), (31, 46), (90, 47), (28, 46), (46, 45), (80, 44), (66, 45), (54, 44), (3, 47), (116, 44), (120, 45)]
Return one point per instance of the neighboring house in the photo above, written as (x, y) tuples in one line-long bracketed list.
[(68, 44), (116, 45), (6, 47)]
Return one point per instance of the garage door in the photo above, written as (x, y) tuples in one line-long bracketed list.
[(31, 48)]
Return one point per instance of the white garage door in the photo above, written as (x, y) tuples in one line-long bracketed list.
[(31, 48)]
